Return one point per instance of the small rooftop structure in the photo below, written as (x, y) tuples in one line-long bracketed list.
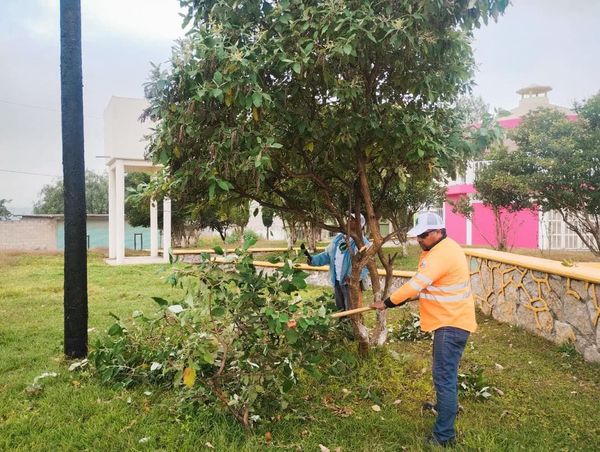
[(532, 98), (534, 90)]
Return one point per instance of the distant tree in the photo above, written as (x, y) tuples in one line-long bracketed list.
[(473, 109), (137, 210), (267, 218), (5, 214), (239, 215), (503, 187), (187, 218), (96, 196), (562, 166)]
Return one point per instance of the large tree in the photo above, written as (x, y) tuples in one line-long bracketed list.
[(96, 196), (563, 166), (317, 108)]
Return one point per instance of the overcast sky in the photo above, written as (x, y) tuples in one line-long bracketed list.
[(550, 42)]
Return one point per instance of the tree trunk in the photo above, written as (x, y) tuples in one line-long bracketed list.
[(361, 333), (379, 333), (500, 238)]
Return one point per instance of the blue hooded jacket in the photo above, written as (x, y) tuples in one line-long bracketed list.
[(327, 257)]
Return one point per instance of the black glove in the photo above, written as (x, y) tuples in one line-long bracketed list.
[(306, 253), (388, 303)]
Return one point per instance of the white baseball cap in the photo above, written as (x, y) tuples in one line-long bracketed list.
[(362, 219), (426, 221)]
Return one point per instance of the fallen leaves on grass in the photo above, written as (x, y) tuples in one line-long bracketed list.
[(341, 411)]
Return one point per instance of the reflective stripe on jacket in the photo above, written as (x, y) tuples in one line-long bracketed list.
[(443, 284)]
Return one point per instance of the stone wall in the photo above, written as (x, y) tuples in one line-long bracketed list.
[(561, 304), (28, 234)]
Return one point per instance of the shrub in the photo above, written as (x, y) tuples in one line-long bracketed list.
[(232, 238), (473, 384), (409, 329), (238, 338), (249, 234)]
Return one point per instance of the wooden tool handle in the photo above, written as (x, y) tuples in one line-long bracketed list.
[(337, 315)]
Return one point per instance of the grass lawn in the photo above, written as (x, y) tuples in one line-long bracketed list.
[(545, 397)]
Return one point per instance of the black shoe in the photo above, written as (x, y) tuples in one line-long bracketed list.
[(433, 441), (429, 406)]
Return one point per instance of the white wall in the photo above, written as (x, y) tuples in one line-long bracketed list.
[(123, 131), (276, 231)]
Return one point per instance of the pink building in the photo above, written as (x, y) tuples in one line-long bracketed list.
[(527, 229)]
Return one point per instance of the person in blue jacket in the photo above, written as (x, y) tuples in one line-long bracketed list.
[(339, 259)]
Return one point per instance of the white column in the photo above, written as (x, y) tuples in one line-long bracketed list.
[(153, 229), (112, 199), (469, 232), (120, 211), (166, 228)]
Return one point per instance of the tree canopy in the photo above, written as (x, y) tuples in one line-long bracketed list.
[(503, 188), (562, 166), (316, 109), (5, 214), (96, 196)]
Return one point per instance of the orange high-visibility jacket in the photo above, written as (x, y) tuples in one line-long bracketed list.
[(443, 284)]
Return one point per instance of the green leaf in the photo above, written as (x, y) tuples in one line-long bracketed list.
[(287, 385), (296, 67), (257, 99), (115, 330), (217, 249), (218, 311), (218, 77), (292, 336), (160, 301), (299, 280), (223, 184)]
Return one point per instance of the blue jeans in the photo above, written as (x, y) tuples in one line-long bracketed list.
[(448, 345)]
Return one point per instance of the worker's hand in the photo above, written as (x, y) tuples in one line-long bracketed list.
[(292, 324), (379, 306), (306, 253)]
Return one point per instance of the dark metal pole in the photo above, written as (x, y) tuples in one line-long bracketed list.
[(75, 278)]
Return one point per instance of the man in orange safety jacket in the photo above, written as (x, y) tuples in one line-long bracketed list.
[(446, 306)]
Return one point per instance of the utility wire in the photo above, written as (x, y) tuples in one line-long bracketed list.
[(38, 107), (28, 173)]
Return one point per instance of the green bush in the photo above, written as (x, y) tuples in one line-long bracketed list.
[(232, 238), (231, 340), (473, 384), (249, 234), (409, 329)]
